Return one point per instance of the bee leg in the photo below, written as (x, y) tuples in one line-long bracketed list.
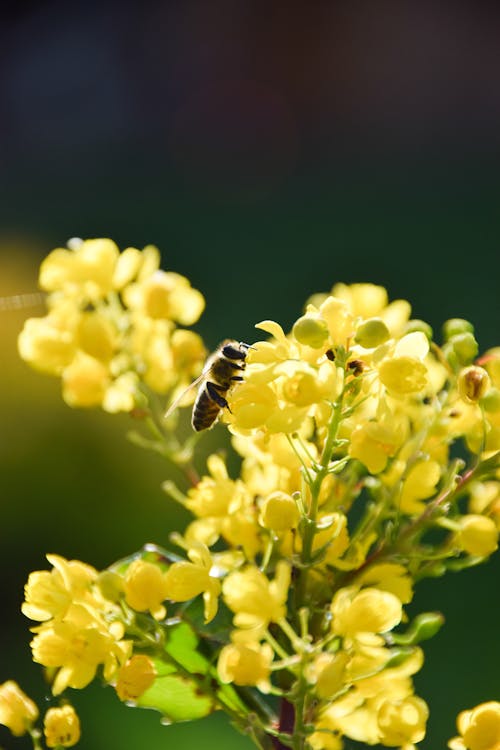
[(236, 366), (237, 377), (213, 391)]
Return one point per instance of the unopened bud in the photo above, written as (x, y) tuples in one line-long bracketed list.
[(279, 512), (371, 333), (465, 347), (423, 627), (110, 585), (455, 326), (473, 382), (491, 401), (421, 326), (311, 331)]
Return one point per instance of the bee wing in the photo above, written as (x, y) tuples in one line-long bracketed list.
[(20, 301), (181, 395)]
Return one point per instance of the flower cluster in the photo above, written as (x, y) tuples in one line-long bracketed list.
[(113, 324), (292, 578)]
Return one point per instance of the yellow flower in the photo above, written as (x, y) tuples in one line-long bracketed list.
[(478, 535), (86, 269), (61, 727), (390, 577), (76, 646), (246, 664), (50, 593), (327, 673), (279, 512), (419, 484), (166, 295), (373, 443), (256, 600), (146, 588), (48, 344), (17, 711), (135, 677), (479, 728), (185, 580), (85, 381), (369, 610), (402, 721)]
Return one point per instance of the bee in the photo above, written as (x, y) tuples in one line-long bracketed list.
[(222, 369)]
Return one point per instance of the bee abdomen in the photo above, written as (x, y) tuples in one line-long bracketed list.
[(205, 411)]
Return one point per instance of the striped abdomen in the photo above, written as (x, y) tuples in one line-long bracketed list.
[(205, 410)]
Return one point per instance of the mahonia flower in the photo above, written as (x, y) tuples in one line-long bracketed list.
[(61, 727), (17, 711), (77, 646), (146, 588), (254, 599), (50, 593), (224, 508), (479, 728), (477, 535), (369, 610), (112, 325), (185, 580), (246, 664), (135, 677)]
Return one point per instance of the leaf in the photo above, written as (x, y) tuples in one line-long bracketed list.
[(177, 698)]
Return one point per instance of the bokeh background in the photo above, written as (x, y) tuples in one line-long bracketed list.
[(269, 150)]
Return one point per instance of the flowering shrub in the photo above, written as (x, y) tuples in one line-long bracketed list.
[(370, 459)]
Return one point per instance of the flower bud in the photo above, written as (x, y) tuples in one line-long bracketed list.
[(371, 333), (311, 331), (478, 535), (61, 727), (455, 326), (279, 512), (473, 382), (465, 347), (491, 401), (421, 326), (423, 627)]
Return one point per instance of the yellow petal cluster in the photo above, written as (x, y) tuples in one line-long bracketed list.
[(17, 711), (112, 325), (61, 727)]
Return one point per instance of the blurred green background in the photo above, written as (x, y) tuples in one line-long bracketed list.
[(269, 151)]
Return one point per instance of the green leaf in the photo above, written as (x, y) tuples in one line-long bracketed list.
[(181, 645), (177, 699)]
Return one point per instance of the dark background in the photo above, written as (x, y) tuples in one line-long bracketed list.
[(269, 150)]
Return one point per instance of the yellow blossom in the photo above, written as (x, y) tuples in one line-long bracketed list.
[(85, 381), (478, 535), (246, 664), (76, 646), (419, 484), (61, 727), (87, 269), (479, 728), (327, 673), (369, 610), (402, 722), (135, 677), (279, 512), (146, 588), (50, 593), (48, 344), (17, 711), (255, 600), (390, 577), (185, 580), (166, 295), (373, 443)]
